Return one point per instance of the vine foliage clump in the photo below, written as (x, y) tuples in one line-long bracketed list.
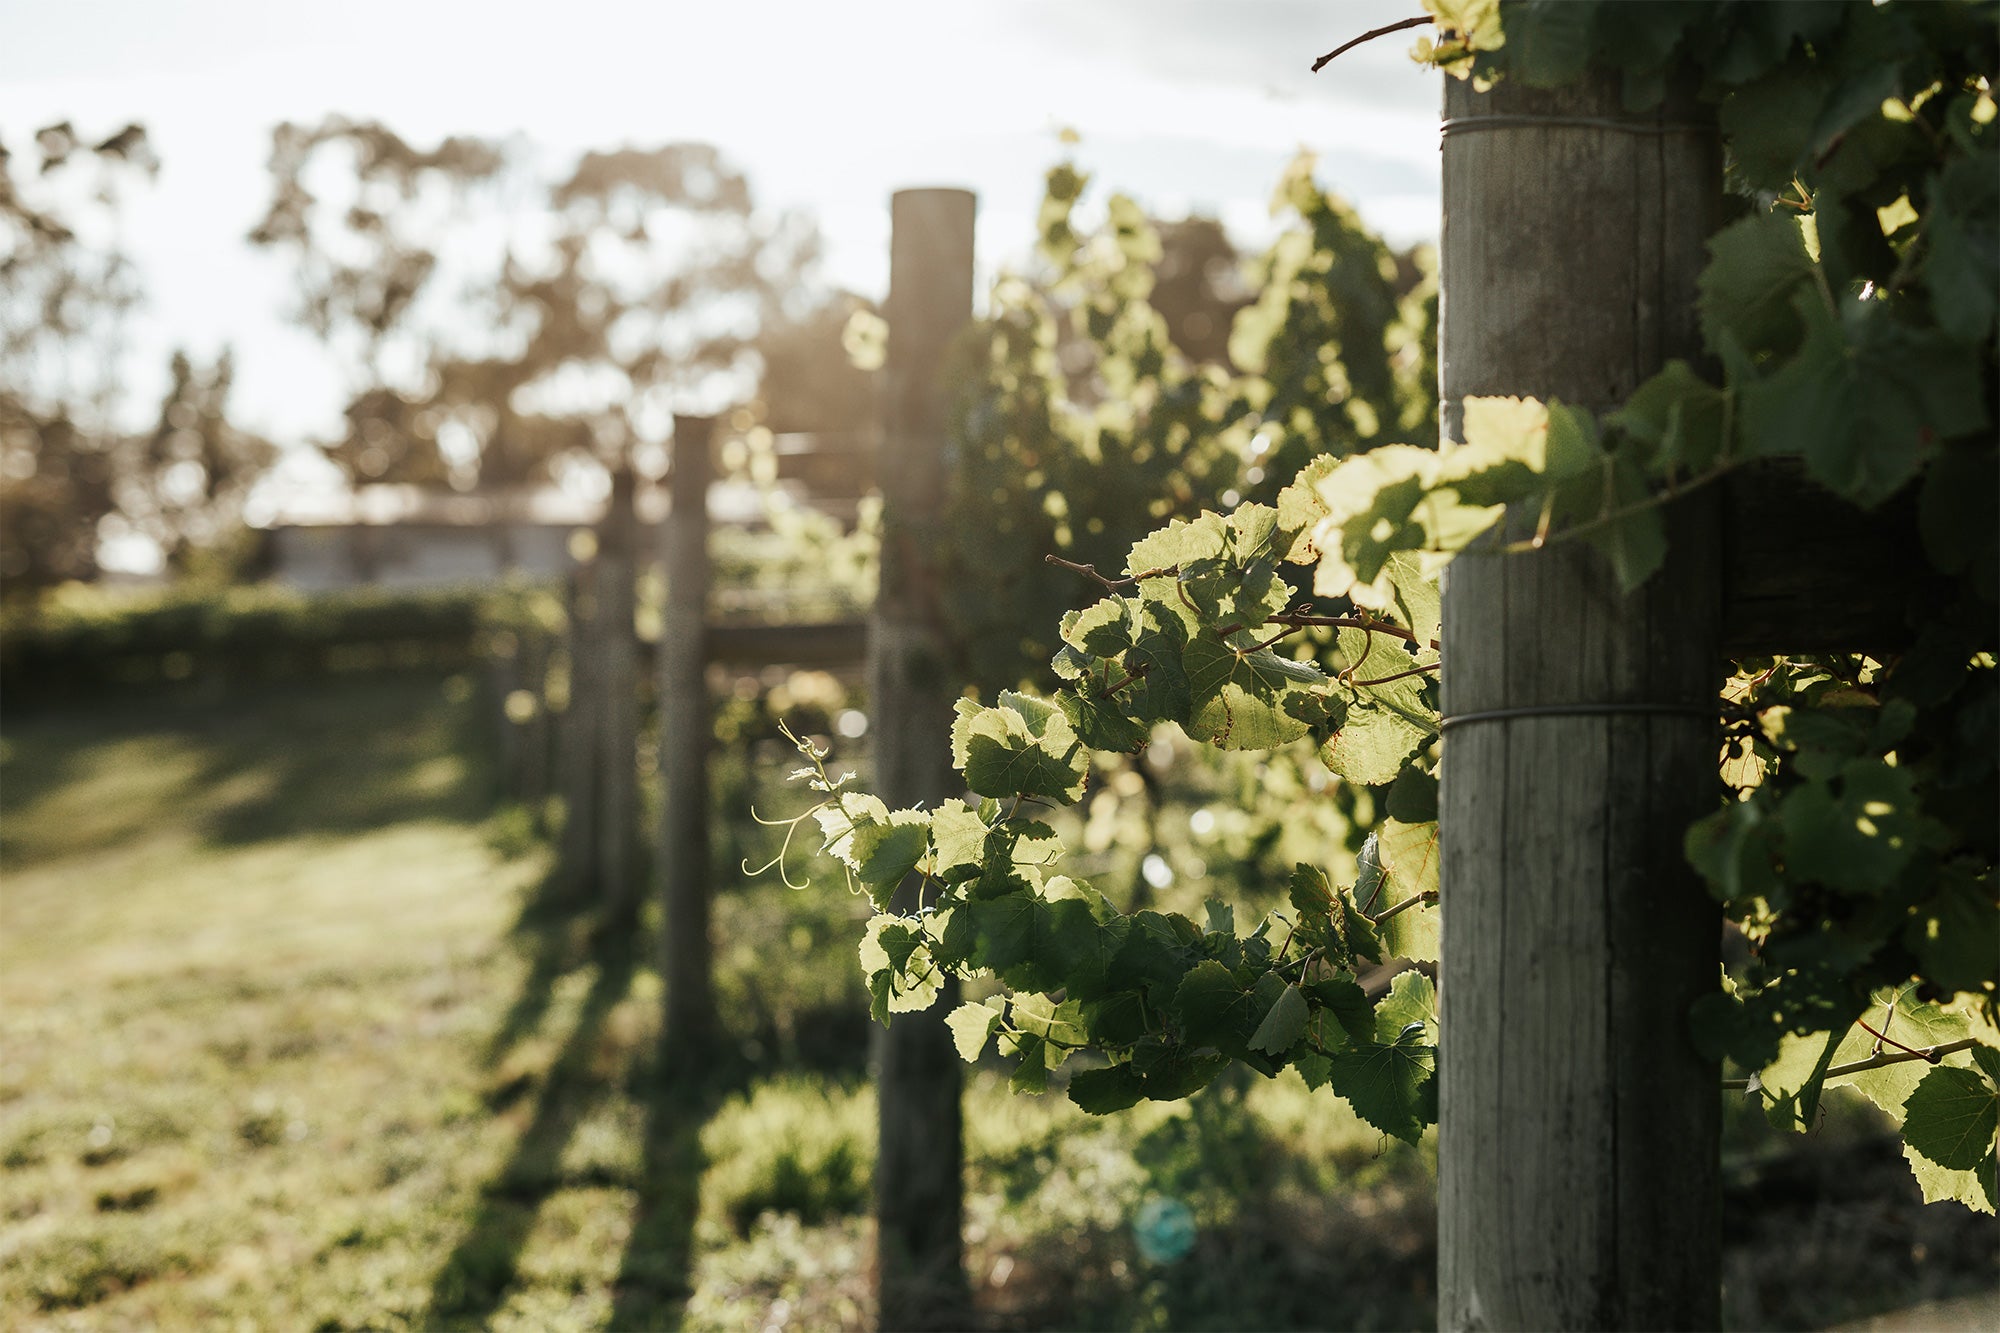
[(1848, 319)]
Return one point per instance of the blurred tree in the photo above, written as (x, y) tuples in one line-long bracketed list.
[(65, 286), (184, 485), (810, 381), (69, 478), (1198, 287), (585, 310)]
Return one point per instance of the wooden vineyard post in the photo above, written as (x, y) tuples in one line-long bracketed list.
[(1578, 1138), (918, 1175), (577, 735), (533, 788), (617, 680), (684, 735)]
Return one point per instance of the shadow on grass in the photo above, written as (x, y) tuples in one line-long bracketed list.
[(653, 1284), (345, 759), (332, 757), (559, 940)]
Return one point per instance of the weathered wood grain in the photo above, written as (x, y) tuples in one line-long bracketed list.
[(1578, 1137), (919, 1188)]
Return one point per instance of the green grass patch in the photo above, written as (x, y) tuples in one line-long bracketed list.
[(289, 1038)]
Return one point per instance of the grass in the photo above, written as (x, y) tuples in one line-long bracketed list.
[(292, 1039)]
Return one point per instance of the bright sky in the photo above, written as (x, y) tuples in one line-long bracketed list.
[(827, 106)]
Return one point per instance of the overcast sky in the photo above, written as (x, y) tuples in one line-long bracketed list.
[(827, 106)]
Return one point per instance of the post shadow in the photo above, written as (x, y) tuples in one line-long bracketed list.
[(475, 1278)]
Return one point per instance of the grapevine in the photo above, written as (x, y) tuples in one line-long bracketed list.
[(1848, 318)]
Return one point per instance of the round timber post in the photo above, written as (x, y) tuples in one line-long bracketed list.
[(684, 735), (919, 1190), (617, 679), (1578, 1137)]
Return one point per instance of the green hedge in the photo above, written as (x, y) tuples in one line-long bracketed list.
[(82, 641)]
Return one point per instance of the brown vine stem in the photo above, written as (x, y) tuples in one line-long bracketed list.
[(1370, 36), (1931, 1054), (1421, 900), (1883, 1038), (1367, 647), (1112, 584), (1299, 620), (1610, 516), (1413, 671)]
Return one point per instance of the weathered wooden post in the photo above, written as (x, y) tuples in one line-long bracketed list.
[(577, 740), (533, 788), (617, 680), (684, 735), (1579, 1180), (919, 1190)]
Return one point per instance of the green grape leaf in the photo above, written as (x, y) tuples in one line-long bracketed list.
[(1160, 685), (1311, 894), (1179, 543), (881, 986), (1769, 122), (1100, 723), (1390, 1086), (1864, 401), (1032, 1074), (1414, 797), (971, 1024), (1154, 953), (1314, 1068), (1238, 698), (1254, 533), (1411, 1003), (1976, 1189), (1962, 268), (1951, 1118), (1372, 745), (1300, 510), (840, 817), (894, 948), (1679, 417), (1514, 446), (1214, 1009), (1549, 41), (1173, 1072), (1024, 747), (1388, 714), (1630, 532), (1102, 1091), (1913, 1022), (1417, 598), (1104, 629), (1355, 935), (1283, 1025), (882, 854), (1735, 850), (1755, 266), (1343, 997), (1791, 1084), (1060, 1025), (1084, 951), (1409, 855), (958, 836), (1858, 838), (1953, 932)]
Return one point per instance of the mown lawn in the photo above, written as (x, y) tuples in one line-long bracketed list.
[(291, 1039)]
